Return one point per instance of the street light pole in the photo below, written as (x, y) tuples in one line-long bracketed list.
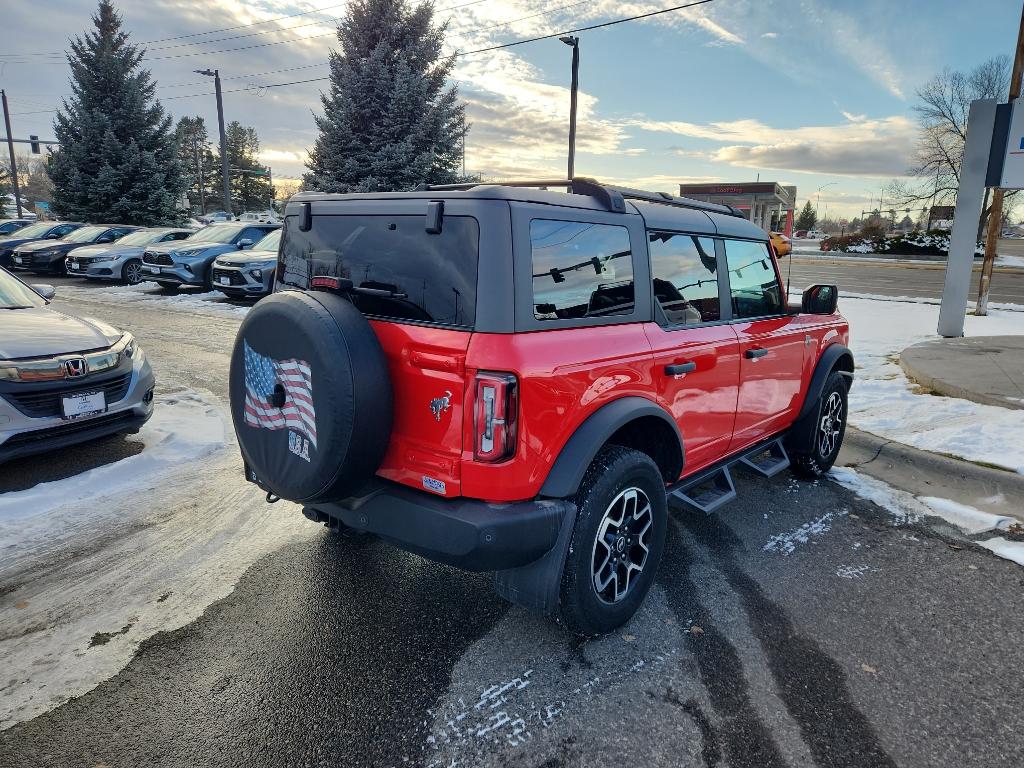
[(10, 150), (215, 74), (817, 200), (574, 43)]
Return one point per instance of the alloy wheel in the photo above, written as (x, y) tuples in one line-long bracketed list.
[(133, 273), (622, 544), (831, 424)]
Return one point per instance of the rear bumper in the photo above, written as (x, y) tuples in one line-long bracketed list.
[(466, 533)]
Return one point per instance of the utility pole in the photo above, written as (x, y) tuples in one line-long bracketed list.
[(10, 150), (995, 216), (215, 74), (574, 43)]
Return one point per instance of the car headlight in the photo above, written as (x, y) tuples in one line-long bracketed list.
[(189, 253)]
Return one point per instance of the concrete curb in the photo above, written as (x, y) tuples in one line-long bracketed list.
[(922, 473)]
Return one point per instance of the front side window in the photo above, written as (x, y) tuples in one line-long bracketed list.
[(753, 285), (580, 270), (685, 275)]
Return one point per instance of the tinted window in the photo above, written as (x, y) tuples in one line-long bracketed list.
[(753, 285), (65, 228), (580, 270), (422, 277), (685, 276)]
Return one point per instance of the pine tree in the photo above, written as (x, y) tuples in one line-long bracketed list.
[(251, 189), (807, 218), (117, 160), (197, 161), (390, 121)]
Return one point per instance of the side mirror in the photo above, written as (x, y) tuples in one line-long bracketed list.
[(52, 236), (244, 243), (105, 239), (820, 300), (46, 291)]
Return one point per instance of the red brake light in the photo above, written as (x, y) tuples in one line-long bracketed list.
[(495, 416), (325, 282)]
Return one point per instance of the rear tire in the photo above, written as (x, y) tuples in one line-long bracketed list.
[(617, 542), (829, 429)]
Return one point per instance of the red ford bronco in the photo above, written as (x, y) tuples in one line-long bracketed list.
[(511, 379)]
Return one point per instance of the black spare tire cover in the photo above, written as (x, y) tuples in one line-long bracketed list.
[(311, 396)]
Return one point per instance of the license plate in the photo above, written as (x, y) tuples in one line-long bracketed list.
[(152, 270), (224, 280), (83, 404), (73, 265), (17, 260)]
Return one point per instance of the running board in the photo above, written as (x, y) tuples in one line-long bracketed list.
[(708, 492), (769, 460)]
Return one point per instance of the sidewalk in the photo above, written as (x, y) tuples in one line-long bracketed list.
[(985, 369)]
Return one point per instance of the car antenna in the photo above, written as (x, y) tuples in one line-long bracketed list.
[(789, 272)]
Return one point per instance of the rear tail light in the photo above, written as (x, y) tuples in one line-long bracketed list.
[(496, 416)]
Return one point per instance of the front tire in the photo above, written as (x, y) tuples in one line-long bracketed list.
[(131, 272), (828, 431), (617, 542)]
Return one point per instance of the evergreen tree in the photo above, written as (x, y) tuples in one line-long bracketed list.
[(390, 121), (251, 189), (117, 158), (197, 160), (807, 218)]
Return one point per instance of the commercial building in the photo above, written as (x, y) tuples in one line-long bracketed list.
[(766, 203)]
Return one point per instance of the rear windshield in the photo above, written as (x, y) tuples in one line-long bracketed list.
[(430, 278)]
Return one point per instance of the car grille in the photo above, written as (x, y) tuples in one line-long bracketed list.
[(157, 258), (233, 275), (41, 404), (81, 259), (80, 425)]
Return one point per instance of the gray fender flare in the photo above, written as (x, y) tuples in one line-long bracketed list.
[(579, 451)]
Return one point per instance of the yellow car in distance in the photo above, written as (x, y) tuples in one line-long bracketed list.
[(781, 244)]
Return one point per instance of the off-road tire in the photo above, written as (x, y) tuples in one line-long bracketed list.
[(614, 471), (815, 460)]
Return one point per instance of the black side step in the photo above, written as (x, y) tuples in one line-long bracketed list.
[(708, 492), (768, 460)]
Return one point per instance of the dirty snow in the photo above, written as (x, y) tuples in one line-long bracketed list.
[(885, 403), (1009, 550), (786, 543), (187, 299), (86, 583)]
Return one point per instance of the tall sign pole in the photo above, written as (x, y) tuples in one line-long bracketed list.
[(995, 216), (963, 239), (10, 150), (223, 144)]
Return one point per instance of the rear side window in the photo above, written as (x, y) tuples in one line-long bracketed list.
[(753, 285), (685, 275), (580, 270), (428, 278)]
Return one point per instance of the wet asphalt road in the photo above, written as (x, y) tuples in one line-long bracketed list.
[(800, 626)]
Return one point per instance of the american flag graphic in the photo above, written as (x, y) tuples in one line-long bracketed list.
[(262, 374)]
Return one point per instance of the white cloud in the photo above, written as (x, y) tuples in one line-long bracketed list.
[(770, 35)]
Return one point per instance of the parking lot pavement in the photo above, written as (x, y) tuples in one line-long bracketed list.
[(799, 626)]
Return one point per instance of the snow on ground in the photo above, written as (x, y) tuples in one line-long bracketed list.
[(885, 403), (906, 508), (211, 302), (1010, 261), (93, 565)]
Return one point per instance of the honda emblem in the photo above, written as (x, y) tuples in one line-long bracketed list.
[(75, 368)]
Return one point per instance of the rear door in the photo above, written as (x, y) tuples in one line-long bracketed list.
[(771, 343), (696, 353), (422, 310)]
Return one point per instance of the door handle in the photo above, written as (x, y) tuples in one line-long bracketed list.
[(753, 354), (678, 368)]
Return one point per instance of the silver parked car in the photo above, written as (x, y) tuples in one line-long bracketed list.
[(248, 273), (121, 260), (64, 379)]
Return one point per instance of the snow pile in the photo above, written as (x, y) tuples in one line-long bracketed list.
[(211, 302), (885, 403), (906, 508), (184, 427)]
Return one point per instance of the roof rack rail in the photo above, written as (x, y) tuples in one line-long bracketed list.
[(611, 197)]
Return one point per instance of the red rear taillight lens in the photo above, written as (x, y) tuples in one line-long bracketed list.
[(495, 416)]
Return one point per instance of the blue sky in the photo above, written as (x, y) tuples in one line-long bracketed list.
[(805, 92)]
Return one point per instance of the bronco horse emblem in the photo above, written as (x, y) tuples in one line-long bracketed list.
[(441, 404)]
